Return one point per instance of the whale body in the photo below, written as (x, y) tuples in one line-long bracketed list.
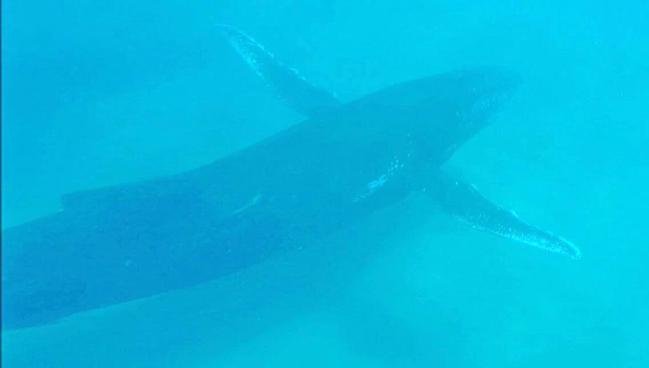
[(344, 162)]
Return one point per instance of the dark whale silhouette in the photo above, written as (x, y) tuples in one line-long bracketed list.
[(344, 162)]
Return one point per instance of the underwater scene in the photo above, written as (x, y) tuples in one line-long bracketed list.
[(325, 183)]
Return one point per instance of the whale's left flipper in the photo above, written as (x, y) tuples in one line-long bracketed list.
[(298, 93), (464, 201)]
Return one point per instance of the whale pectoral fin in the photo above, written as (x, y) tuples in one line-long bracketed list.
[(464, 201), (296, 91)]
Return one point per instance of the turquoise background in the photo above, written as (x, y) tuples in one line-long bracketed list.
[(99, 93)]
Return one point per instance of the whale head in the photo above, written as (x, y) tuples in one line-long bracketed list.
[(440, 112)]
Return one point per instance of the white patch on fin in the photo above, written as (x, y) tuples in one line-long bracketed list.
[(253, 202), (532, 236), (246, 46)]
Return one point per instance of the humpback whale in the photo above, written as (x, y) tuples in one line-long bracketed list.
[(343, 162)]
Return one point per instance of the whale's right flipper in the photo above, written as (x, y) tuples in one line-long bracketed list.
[(301, 95), (464, 202)]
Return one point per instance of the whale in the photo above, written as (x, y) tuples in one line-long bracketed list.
[(343, 162)]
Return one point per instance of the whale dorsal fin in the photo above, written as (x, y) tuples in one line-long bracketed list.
[(296, 91)]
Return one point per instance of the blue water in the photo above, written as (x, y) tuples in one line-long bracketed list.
[(97, 93)]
